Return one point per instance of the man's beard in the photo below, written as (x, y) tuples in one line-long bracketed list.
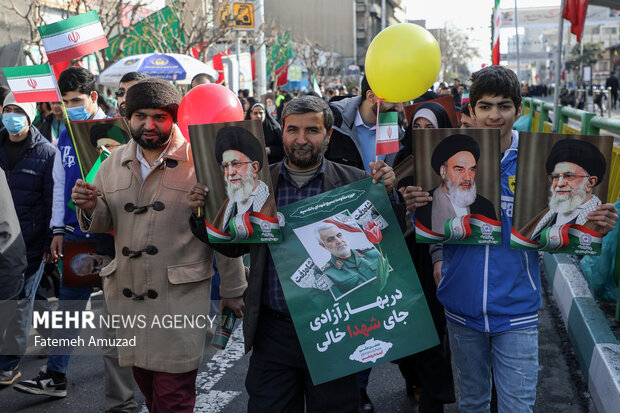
[(462, 198), (566, 203), (157, 143), (240, 191), (312, 160), (402, 117), (121, 110)]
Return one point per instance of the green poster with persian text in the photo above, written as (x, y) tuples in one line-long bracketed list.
[(349, 282)]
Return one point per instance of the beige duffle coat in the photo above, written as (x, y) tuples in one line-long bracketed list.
[(161, 275)]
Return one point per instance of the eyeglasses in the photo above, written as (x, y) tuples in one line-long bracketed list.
[(568, 177), (233, 164), (119, 93)]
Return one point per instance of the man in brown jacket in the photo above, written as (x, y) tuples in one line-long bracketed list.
[(161, 274)]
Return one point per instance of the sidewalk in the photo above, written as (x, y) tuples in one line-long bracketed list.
[(596, 347)]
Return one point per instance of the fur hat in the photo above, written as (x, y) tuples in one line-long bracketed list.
[(152, 93), (28, 107)]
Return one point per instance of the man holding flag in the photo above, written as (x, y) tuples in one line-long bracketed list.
[(77, 86), (355, 140)]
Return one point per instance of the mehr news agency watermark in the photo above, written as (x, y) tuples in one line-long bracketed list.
[(90, 322)]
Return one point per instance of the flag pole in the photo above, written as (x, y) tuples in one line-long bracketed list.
[(558, 72), (377, 128), (64, 111)]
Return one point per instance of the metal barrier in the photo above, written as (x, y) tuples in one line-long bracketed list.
[(588, 124)]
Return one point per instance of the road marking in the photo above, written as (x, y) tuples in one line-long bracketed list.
[(213, 401)]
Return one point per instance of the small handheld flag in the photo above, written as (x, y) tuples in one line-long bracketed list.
[(73, 38), (32, 83), (387, 133)]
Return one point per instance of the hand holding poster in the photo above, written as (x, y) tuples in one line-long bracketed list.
[(231, 161), (349, 282), (461, 172), (551, 215)]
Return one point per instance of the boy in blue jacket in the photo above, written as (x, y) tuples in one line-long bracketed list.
[(491, 294)]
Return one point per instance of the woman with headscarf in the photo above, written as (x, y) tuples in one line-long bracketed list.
[(271, 131), (431, 115), (427, 115), (428, 375)]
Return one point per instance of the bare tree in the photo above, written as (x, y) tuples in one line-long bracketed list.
[(198, 29), (273, 40), (111, 14), (310, 54), (456, 52)]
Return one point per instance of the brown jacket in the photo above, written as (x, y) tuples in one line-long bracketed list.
[(176, 266)]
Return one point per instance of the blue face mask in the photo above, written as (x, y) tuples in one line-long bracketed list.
[(78, 113), (14, 123)]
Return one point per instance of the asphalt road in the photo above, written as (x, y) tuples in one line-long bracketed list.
[(220, 382)]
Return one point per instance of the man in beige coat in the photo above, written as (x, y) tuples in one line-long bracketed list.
[(161, 275)]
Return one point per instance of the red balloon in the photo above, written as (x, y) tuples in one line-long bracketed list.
[(208, 103)]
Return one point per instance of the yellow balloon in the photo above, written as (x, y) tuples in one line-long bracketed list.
[(402, 62)]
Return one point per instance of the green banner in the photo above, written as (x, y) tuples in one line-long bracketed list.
[(280, 52), (349, 282), (165, 21)]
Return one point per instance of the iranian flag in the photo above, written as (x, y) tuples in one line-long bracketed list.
[(387, 133), (32, 83), (575, 11), (315, 86), (73, 38), (497, 19)]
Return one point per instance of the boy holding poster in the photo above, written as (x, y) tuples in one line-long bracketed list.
[(491, 294)]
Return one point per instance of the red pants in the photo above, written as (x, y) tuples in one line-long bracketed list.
[(167, 392)]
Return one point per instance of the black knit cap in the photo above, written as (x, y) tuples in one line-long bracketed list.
[(452, 145), (152, 93), (578, 152), (106, 130), (238, 139)]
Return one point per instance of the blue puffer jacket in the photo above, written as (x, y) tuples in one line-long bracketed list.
[(492, 288), (32, 187)]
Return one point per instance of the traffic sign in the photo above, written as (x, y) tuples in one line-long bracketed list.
[(223, 15), (243, 16)]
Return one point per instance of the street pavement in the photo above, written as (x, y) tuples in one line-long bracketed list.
[(220, 382)]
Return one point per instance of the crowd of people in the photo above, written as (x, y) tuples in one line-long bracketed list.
[(146, 194)]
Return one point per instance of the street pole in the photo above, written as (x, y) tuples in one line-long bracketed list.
[(260, 54), (354, 33), (383, 14), (237, 47), (517, 36), (558, 72)]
